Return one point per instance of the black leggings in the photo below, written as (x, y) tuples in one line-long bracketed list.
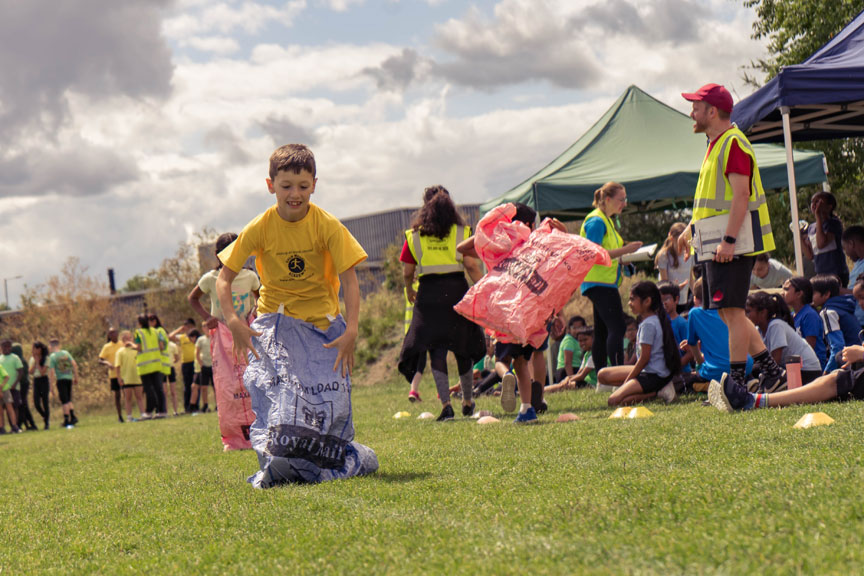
[(608, 326), (41, 389), (154, 392), (25, 417), (438, 360)]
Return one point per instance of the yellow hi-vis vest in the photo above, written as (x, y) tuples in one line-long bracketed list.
[(167, 360), (714, 193), (437, 255), (599, 274), (149, 359)]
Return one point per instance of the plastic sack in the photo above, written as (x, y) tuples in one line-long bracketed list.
[(235, 408), (527, 286), (303, 429)]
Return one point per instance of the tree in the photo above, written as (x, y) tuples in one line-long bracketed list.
[(794, 30)]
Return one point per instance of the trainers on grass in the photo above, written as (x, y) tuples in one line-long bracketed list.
[(508, 392), (446, 414), (728, 396), (469, 409), (667, 393), (528, 417)]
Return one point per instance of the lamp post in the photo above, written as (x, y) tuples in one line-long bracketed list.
[(6, 288)]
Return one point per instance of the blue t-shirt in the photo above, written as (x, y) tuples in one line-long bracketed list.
[(679, 328), (595, 230), (857, 270), (808, 323), (707, 326), (651, 332)]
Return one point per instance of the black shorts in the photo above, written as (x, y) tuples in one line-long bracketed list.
[(206, 378), (115, 385), (172, 377), (726, 284), (513, 350), (850, 385), (64, 390), (651, 383), (130, 386)]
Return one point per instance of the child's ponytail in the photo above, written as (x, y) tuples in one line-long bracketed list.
[(671, 354)]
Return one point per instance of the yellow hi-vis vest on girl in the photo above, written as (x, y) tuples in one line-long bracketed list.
[(714, 193), (437, 255), (165, 354), (599, 274), (149, 359)]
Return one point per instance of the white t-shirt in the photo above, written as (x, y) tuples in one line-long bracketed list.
[(241, 292), (678, 274), (779, 334), (777, 275)]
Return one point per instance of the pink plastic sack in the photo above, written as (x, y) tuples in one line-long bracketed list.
[(531, 277), (235, 409)]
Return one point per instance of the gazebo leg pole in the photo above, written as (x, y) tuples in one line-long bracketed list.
[(793, 192)]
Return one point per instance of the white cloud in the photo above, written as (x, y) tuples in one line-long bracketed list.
[(220, 45), (340, 5), (202, 18)]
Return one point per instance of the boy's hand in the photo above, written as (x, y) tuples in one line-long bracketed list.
[(557, 225), (852, 354), (345, 357), (211, 323), (242, 334)]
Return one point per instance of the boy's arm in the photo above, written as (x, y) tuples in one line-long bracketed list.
[(345, 343), (466, 247), (240, 330), (74, 370), (473, 267), (173, 335), (194, 298)]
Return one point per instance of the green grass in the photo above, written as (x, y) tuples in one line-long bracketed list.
[(689, 491)]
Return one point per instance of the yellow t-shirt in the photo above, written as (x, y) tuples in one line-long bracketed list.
[(187, 349), (109, 354), (127, 365), (299, 262)]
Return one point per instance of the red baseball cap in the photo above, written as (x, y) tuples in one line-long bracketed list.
[(713, 94)]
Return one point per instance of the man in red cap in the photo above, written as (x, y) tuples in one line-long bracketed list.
[(730, 186)]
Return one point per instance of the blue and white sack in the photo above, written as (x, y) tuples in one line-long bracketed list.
[(303, 429)]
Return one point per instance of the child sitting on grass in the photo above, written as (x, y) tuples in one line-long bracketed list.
[(569, 352), (670, 294), (658, 358), (631, 325), (585, 375), (837, 312), (798, 294)]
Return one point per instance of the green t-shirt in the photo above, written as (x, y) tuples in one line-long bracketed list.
[(3, 376), (11, 363), (569, 343), (591, 378), (61, 363)]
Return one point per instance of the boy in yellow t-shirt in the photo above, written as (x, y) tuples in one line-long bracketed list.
[(302, 254), (107, 358), (127, 374)]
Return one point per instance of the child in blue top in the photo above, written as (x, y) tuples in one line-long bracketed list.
[(658, 358), (838, 316), (853, 246), (798, 294), (671, 294)]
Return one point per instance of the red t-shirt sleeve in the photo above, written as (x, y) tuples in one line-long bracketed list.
[(406, 256), (738, 162)]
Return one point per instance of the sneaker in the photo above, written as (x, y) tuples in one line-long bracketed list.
[(74, 420), (414, 396), (537, 401), (468, 410), (2, 430), (508, 392), (667, 393), (47, 426), (728, 396), (529, 417), (69, 426), (446, 414), (771, 385), (17, 430), (121, 420)]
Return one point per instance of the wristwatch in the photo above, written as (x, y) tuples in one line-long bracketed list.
[(729, 239)]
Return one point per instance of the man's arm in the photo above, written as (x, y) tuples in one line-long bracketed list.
[(345, 343), (240, 330)]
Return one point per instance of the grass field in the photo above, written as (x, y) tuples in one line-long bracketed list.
[(689, 491)]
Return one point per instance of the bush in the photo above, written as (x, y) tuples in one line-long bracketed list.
[(380, 327)]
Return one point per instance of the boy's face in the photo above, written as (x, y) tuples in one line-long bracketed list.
[(586, 341), (574, 329), (6, 347), (760, 269), (819, 298), (858, 293), (790, 294), (853, 250), (292, 193), (669, 304)]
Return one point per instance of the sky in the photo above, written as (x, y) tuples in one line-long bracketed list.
[(130, 126)]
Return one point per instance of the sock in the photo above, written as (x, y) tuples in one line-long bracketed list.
[(71, 414), (467, 382), (767, 366), (738, 372), (524, 408), (65, 419), (761, 401)]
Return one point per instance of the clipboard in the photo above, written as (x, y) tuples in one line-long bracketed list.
[(708, 233)]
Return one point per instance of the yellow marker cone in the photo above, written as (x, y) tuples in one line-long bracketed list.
[(639, 412), (620, 413), (814, 419), (399, 415)]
